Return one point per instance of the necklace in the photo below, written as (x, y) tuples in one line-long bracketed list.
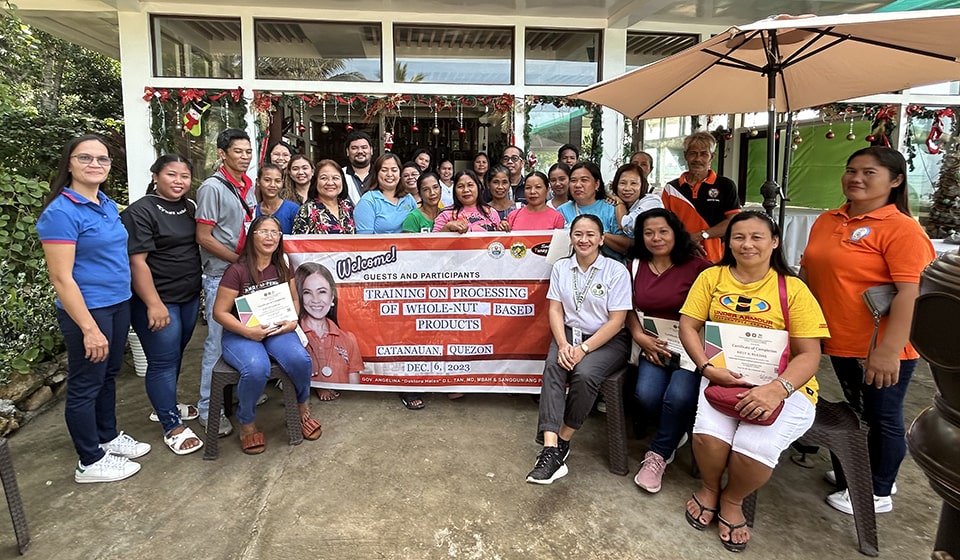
[(656, 269)]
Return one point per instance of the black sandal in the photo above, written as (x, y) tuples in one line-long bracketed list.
[(408, 400), (729, 544), (695, 521)]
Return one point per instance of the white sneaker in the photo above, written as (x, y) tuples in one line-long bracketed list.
[(831, 478), (226, 428), (840, 501), (110, 468), (125, 446), (683, 441)]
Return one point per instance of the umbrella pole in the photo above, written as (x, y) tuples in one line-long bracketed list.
[(769, 190), (785, 175)]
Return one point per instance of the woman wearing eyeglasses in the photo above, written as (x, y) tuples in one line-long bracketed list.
[(85, 246), (249, 349)]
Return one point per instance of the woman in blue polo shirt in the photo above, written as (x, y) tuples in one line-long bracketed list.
[(385, 204), (85, 246)]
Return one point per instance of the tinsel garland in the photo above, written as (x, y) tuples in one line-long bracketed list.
[(168, 107)]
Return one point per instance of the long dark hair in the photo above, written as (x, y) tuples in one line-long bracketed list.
[(269, 153), (249, 253), (777, 261), (429, 155), (308, 269), (313, 191), (289, 189), (373, 179), (594, 171), (426, 175), (161, 163), (684, 248), (482, 206), (63, 178), (893, 161)]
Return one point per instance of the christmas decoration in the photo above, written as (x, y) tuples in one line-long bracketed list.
[(181, 116), (191, 120), (829, 135), (388, 140)]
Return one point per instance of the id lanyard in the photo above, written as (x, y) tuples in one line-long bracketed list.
[(578, 297)]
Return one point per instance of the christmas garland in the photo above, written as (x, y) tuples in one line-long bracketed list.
[(593, 147), (180, 115)]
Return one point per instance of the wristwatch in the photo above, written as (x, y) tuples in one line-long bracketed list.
[(585, 348), (704, 234), (786, 385)]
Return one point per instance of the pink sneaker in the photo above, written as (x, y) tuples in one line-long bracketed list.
[(651, 472)]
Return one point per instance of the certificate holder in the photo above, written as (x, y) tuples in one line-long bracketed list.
[(753, 352), (266, 307), (669, 330)]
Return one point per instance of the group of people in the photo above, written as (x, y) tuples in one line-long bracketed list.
[(148, 265), (739, 429)]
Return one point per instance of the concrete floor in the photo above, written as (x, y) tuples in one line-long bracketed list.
[(444, 482)]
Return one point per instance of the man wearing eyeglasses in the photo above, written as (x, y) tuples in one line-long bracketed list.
[(225, 204), (702, 200), (512, 159)]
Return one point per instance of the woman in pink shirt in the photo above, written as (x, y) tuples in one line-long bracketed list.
[(536, 215), (468, 212)]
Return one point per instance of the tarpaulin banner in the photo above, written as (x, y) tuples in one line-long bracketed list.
[(438, 312)]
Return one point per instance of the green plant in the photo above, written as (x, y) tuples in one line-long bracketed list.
[(28, 333)]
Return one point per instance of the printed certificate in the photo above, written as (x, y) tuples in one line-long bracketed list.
[(267, 307), (750, 351), (668, 330)]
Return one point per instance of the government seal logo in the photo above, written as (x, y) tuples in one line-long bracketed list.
[(859, 233), (495, 249), (518, 250)]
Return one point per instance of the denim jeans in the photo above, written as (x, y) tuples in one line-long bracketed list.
[(164, 351), (882, 410), (667, 399), (91, 400), (211, 346), (252, 360)]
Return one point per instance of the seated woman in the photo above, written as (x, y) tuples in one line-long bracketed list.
[(269, 186), (559, 175), (468, 213), (385, 204), (328, 208), (589, 297), (421, 220), (665, 262), (536, 214), (752, 285), (249, 349), (298, 179), (631, 196), (334, 353)]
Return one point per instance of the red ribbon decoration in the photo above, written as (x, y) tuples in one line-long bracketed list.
[(162, 94), (936, 130), (188, 95)]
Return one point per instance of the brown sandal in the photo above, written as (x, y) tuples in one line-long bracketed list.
[(253, 444), (311, 428)]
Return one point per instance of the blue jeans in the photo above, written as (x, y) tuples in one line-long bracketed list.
[(164, 351), (252, 360), (882, 410), (667, 399), (91, 402), (211, 346)]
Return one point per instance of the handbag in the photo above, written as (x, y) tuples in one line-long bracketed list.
[(878, 300), (725, 399)]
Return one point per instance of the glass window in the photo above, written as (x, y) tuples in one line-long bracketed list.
[(453, 55), (562, 58), (196, 47), (298, 50), (644, 48), (552, 127)]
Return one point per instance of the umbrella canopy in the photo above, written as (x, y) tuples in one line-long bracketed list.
[(812, 60)]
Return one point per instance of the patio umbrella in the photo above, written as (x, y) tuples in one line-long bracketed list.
[(788, 63)]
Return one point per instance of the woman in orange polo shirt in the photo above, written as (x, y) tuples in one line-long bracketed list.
[(870, 241)]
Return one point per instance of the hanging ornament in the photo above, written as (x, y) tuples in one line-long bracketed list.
[(324, 128), (794, 146), (870, 138), (349, 126), (436, 129), (460, 117), (300, 127), (850, 135), (415, 128), (796, 132), (829, 135), (797, 139), (753, 132)]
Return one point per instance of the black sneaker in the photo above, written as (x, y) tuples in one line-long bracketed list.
[(549, 467), (564, 446)]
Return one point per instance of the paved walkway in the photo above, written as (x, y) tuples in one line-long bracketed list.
[(444, 482)]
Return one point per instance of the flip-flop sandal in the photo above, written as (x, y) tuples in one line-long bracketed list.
[(175, 442), (253, 444), (408, 401), (311, 428), (729, 544), (187, 412), (328, 398), (694, 521)]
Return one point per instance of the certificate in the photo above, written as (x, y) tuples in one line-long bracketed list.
[(266, 307), (668, 330), (752, 352)]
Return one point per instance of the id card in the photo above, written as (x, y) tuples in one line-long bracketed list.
[(577, 336)]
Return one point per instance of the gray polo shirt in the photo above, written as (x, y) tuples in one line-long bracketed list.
[(218, 205)]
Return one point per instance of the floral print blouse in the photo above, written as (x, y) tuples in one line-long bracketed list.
[(314, 218)]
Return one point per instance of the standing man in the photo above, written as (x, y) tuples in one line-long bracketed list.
[(225, 205), (568, 154), (702, 200), (512, 159), (360, 154), (644, 161)]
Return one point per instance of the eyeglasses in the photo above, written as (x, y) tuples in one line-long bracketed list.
[(87, 159), (508, 159), (268, 233)]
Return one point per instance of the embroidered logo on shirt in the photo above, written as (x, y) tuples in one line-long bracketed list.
[(744, 304), (597, 290), (713, 192), (860, 233)]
